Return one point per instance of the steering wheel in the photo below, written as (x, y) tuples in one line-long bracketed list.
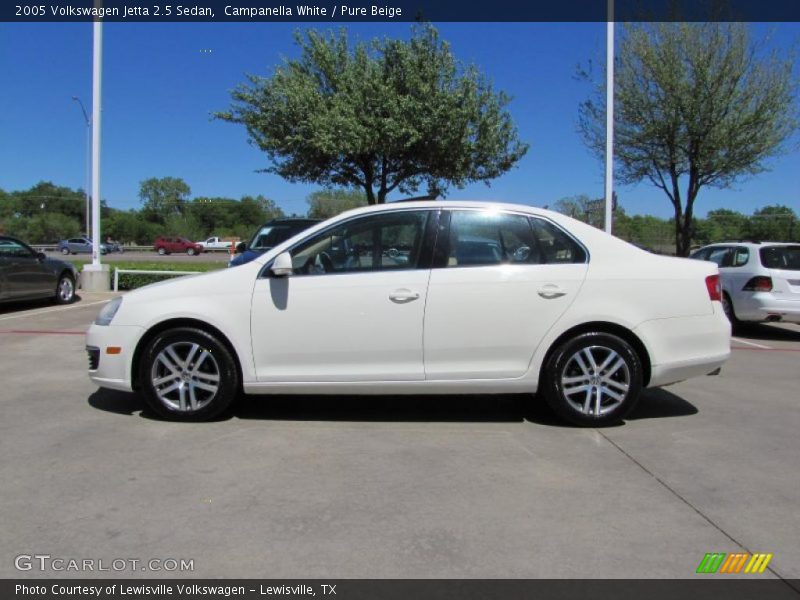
[(327, 263)]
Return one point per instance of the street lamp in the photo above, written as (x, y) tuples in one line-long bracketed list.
[(88, 160)]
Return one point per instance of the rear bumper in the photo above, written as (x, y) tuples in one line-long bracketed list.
[(113, 370), (685, 347), (765, 306)]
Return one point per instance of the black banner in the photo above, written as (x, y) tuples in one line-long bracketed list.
[(400, 10), (392, 589)]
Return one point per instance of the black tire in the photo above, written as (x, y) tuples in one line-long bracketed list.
[(727, 306), (65, 289), (191, 251), (162, 251), (209, 405), (564, 364), (65, 251)]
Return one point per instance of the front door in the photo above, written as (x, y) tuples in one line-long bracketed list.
[(504, 279), (354, 308)]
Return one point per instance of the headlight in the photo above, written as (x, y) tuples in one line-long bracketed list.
[(108, 311)]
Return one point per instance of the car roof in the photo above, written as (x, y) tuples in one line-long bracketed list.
[(748, 243)]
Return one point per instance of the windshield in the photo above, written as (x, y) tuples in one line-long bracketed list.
[(270, 236), (781, 257)]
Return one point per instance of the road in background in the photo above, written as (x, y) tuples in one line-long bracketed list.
[(116, 257)]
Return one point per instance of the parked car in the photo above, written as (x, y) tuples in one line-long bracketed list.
[(79, 245), (547, 305), (216, 243), (169, 244), (760, 280), (27, 275), (268, 236)]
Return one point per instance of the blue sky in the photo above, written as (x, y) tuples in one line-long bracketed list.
[(159, 90)]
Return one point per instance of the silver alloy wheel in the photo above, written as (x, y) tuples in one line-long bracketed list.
[(185, 376), (727, 308), (66, 289), (595, 380)]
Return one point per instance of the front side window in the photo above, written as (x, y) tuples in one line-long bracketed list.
[(382, 242)]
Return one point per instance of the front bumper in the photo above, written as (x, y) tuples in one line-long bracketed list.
[(112, 370)]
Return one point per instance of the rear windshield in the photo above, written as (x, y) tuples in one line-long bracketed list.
[(781, 257)]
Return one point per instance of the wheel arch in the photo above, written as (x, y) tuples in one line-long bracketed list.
[(171, 324), (603, 327)]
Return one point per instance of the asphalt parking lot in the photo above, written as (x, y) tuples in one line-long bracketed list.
[(473, 487)]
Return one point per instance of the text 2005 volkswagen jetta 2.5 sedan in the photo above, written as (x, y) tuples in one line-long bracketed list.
[(422, 297)]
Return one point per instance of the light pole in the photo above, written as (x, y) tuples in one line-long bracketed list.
[(88, 161), (609, 115)]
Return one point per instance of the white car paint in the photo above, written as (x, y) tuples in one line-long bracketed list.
[(739, 263), (439, 330)]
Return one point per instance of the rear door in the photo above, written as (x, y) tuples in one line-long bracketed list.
[(499, 283)]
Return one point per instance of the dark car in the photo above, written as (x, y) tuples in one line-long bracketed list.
[(269, 235), (27, 275), (79, 245), (165, 244)]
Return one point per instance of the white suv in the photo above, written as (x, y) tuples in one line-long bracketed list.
[(760, 280)]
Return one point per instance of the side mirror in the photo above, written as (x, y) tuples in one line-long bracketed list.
[(282, 265), (41, 255), (241, 247)]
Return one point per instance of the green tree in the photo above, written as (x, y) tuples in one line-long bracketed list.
[(774, 223), (163, 198), (327, 203), (379, 116), (697, 104)]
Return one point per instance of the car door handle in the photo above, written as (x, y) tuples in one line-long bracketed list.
[(551, 291), (402, 296)]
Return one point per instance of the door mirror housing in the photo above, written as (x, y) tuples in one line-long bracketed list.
[(282, 265), (40, 256), (241, 247)]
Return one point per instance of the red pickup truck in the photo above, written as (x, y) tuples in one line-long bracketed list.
[(169, 244)]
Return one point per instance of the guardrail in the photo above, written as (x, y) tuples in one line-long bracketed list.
[(146, 272), (54, 248)]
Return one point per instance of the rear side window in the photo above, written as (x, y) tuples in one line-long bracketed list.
[(740, 257), (482, 238), (555, 246), (781, 257)]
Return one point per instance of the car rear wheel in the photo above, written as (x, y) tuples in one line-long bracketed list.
[(188, 374), (593, 379), (65, 251), (65, 291), (162, 251), (727, 306)]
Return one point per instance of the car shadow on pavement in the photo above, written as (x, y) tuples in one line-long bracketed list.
[(483, 408), (21, 305), (767, 332)]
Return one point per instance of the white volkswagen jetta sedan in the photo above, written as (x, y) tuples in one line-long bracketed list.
[(422, 297)]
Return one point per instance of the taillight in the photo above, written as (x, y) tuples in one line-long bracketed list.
[(758, 284), (714, 288)]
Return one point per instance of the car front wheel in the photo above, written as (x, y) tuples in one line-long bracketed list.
[(188, 374), (727, 307), (593, 379), (65, 291), (162, 251), (65, 251), (190, 251)]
